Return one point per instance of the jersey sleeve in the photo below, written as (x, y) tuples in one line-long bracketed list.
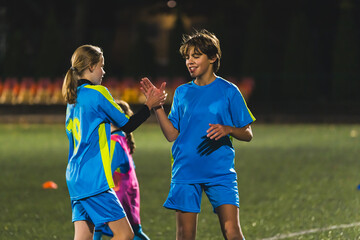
[(107, 106), (174, 115), (120, 159), (240, 113)]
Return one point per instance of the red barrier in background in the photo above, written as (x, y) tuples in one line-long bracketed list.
[(46, 91)]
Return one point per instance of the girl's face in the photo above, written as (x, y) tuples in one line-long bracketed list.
[(97, 72), (198, 63)]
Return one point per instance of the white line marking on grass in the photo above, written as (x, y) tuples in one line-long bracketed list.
[(289, 235)]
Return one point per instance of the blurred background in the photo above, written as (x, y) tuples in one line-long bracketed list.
[(294, 61)]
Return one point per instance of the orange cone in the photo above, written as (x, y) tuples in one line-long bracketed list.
[(49, 185)]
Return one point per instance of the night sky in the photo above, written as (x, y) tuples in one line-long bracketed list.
[(297, 51)]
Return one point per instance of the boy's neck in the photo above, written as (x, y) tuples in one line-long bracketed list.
[(205, 80)]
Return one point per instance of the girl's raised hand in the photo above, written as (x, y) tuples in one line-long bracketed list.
[(155, 97)]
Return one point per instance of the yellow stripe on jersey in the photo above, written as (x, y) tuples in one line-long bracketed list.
[(251, 115), (101, 89), (172, 160), (112, 150), (105, 155)]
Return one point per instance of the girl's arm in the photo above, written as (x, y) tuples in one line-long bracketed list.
[(166, 126), (103, 102), (217, 131), (153, 98)]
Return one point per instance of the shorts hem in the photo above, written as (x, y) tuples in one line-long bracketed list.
[(229, 177), (81, 197), (171, 207), (100, 222), (230, 203), (77, 220)]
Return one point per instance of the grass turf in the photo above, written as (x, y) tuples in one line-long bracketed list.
[(291, 178)]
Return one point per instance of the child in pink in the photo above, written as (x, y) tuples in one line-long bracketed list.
[(124, 175)]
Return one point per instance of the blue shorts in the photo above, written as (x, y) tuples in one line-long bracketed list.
[(104, 229), (99, 209), (187, 197)]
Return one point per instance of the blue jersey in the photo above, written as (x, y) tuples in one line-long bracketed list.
[(196, 158), (88, 129), (120, 161)]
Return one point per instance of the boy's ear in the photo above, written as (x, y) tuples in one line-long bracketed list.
[(212, 60)]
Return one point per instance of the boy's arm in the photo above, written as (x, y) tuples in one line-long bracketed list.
[(217, 131), (166, 126), (169, 131), (240, 115)]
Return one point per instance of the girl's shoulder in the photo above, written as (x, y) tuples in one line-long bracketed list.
[(97, 89), (119, 137), (118, 134), (95, 94)]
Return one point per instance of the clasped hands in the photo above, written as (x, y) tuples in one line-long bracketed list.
[(155, 97)]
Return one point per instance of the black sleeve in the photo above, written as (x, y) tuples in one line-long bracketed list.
[(136, 120)]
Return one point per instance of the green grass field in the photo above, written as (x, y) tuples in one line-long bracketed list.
[(292, 178)]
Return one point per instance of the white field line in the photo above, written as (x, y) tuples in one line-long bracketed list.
[(289, 235)]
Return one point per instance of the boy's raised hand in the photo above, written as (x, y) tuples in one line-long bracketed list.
[(155, 96), (146, 84)]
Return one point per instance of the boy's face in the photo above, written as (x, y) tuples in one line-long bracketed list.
[(197, 63)]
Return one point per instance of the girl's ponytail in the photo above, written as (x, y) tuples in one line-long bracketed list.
[(69, 86)]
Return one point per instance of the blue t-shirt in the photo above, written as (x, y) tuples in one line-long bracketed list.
[(196, 158), (88, 129)]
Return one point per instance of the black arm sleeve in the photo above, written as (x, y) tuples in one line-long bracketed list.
[(136, 120)]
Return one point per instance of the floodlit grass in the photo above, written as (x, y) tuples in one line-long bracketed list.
[(291, 178)]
